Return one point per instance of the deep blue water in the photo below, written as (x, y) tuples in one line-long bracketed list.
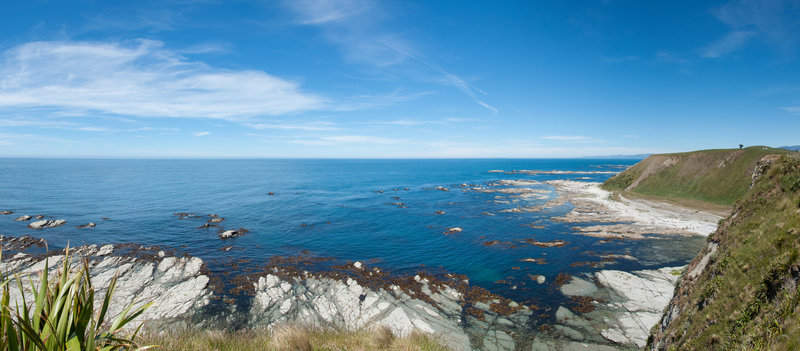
[(328, 207)]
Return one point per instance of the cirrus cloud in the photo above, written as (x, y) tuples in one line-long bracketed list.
[(139, 78)]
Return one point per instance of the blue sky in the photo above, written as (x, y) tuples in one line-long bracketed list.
[(416, 79)]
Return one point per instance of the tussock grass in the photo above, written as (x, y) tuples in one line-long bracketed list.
[(292, 338), (715, 176), (748, 298)]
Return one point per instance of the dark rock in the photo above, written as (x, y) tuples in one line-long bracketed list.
[(87, 225)]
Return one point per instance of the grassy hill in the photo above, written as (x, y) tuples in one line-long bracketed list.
[(741, 292), (719, 176)]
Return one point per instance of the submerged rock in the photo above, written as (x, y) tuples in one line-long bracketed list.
[(22, 218), (87, 225), (48, 223)]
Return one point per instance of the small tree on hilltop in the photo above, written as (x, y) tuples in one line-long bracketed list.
[(740, 146)]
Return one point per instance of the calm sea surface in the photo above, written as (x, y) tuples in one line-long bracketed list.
[(331, 208)]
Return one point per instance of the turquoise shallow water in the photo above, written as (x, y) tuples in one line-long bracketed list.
[(328, 208)]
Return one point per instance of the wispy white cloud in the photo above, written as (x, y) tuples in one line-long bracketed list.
[(447, 78), (409, 122), (620, 59), (792, 109), (140, 78), (449, 149), (200, 134), (326, 11), (566, 137), (27, 122), (352, 25), (669, 57), (775, 21), (731, 42), (306, 126), (348, 139), (93, 129)]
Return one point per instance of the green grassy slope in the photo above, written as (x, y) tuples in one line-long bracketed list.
[(747, 297), (716, 176)]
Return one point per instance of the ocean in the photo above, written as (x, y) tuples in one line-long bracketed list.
[(378, 211)]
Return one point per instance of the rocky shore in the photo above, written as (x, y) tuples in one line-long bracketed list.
[(626, 218), (612, 309), (177, 286), (603, 310)]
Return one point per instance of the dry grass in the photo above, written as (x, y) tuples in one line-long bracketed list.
[(291, 338)]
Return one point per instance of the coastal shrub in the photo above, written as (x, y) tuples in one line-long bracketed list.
[(62, 314)]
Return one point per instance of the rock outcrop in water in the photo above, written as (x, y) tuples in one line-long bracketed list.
[(47, 223)]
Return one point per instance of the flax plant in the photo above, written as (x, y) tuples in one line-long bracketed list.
[(62, 315)]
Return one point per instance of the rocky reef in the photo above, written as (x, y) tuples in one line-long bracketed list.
[(177, 286)]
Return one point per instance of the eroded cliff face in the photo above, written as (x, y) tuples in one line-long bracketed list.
[(741, 291)]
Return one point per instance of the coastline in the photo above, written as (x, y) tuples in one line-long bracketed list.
[(606, 309), (627, 218)]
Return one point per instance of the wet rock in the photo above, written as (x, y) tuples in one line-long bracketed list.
[(11, 243), (6, 212), (440, 212), (270, 193), (51, 223), (22, 218), (88, 225), (578, 287), (358, 265), (453, 230), (216, 220), (226, 248), (232, 233)]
